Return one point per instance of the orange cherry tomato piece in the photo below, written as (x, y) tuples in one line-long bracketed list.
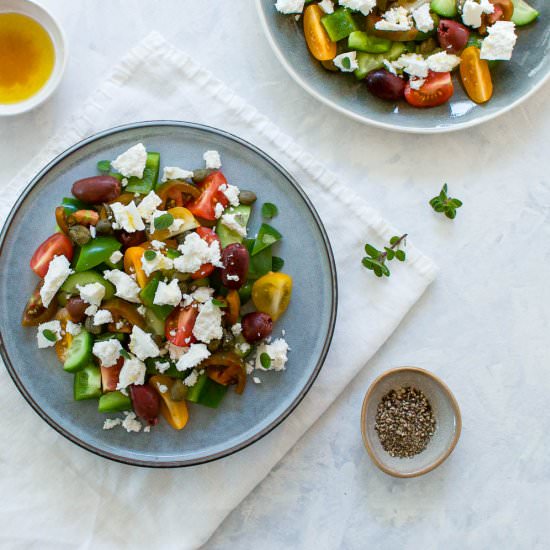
[(233, 307), (320, 45), (132, 264), (475, 75)]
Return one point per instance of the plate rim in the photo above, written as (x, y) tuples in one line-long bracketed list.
[(328, 338), (369, 121)]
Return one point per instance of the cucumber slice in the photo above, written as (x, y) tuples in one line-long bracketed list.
[(87, 383), (228, 236), (114, 401), (85, 278), (339, 24), (150, 176), (445, 8), (523, 13), (79, 353), (154, 322), (361, 41), (369, 61)]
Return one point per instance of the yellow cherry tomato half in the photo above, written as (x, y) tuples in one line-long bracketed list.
[(175, 412), (475, 75), (271, 294), (132, 264), (320, 45)]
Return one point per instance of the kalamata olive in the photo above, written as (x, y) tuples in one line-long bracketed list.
[(79, 234), (76, 308), (452, 36), (235, 262), (256, 326), (247, 197), (131, 239), (104, 227), (96, 189), (178, 391), (146, 403), (385, 85)]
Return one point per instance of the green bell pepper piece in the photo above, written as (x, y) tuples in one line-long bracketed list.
[(267, 236), (114, 401), (147, 296), (339, 24), (71, 205), (361, 41), (95, 252), (87, 383), (206, 392), (171, 371), (150, 176)]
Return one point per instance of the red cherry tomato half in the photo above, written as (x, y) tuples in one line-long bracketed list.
[(204, 206), (56, 245), (208, 235), (437, 89), (110, 375), (179, 326)]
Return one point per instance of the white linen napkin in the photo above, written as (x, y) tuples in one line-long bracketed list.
[(54, 493)]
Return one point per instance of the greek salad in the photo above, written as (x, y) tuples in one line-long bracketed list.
[(154, 294), (409, 48)]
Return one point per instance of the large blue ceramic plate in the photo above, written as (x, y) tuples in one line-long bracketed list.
[(513, 81), (308, 322)]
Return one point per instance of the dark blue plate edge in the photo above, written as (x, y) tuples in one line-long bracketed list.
[(334, 301)]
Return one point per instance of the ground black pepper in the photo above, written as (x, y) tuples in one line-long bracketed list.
[(404, 422)]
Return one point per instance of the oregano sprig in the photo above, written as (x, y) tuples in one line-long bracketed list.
[(376, 259), (445, 204)]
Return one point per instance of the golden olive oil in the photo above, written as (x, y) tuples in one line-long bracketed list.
[(27, 57)]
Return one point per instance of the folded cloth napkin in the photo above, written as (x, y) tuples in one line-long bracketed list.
[(54, 493)]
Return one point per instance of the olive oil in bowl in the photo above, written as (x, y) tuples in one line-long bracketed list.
[(27, 57)]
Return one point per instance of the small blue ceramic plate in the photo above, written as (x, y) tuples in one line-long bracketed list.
[(514, 81), (308, 322)]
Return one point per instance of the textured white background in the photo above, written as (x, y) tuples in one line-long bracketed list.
[(482, 326)]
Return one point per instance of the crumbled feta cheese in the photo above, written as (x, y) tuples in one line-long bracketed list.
[(127, 217), (158, 245), (500, 42), (422, 18), (126, 287), (389, 67), (290, 6), (176, 173), (396, 19), (196, 252), (159, 262), (131, 162), (212, 159), (107, 352), (244, 347), (256, 380), (364, 6), (472, 12), (231, 222), (327, 6), (202, 294), (58, 270), (232, 194), (73, 328), (91, 310), (92, 231), (346, 62), (54, 327), (191, 380), (237, 329), (168, 294), (174, 351), (195, 355), (102, 317), (162, 366), (110, 423), (413, 64), (232, 278), (142, 344), (249, 367), (132, 372), (416, 83), (124, 182), (442, 62), (115, 257), (277, 351), (218, 210), (148, 206), (208, 325), (131, 423), (141, 310), (92, 293)]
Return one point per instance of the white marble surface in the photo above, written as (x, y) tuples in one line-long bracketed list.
[(482, 326)]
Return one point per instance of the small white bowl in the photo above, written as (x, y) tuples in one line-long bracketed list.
[(444, 407), (41, 16)]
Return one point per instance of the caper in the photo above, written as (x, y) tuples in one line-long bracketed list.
[(79, 234), (426, 46), (201, 174), (247, 197), (90, 327), (214, 345), (178, 391), (104, 227), (228, 340)]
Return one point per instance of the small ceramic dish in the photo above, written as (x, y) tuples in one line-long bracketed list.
[(42, 17), (445, 409)]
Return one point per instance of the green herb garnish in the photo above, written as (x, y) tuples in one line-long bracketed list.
[(49, 335), (376, 259), (277, 263), (104, 166), (172, 253), (445, 204), (265, 360), (346, 63), (164, 221), (124, 354), (269, 210), (150, 255), (219, 303)]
